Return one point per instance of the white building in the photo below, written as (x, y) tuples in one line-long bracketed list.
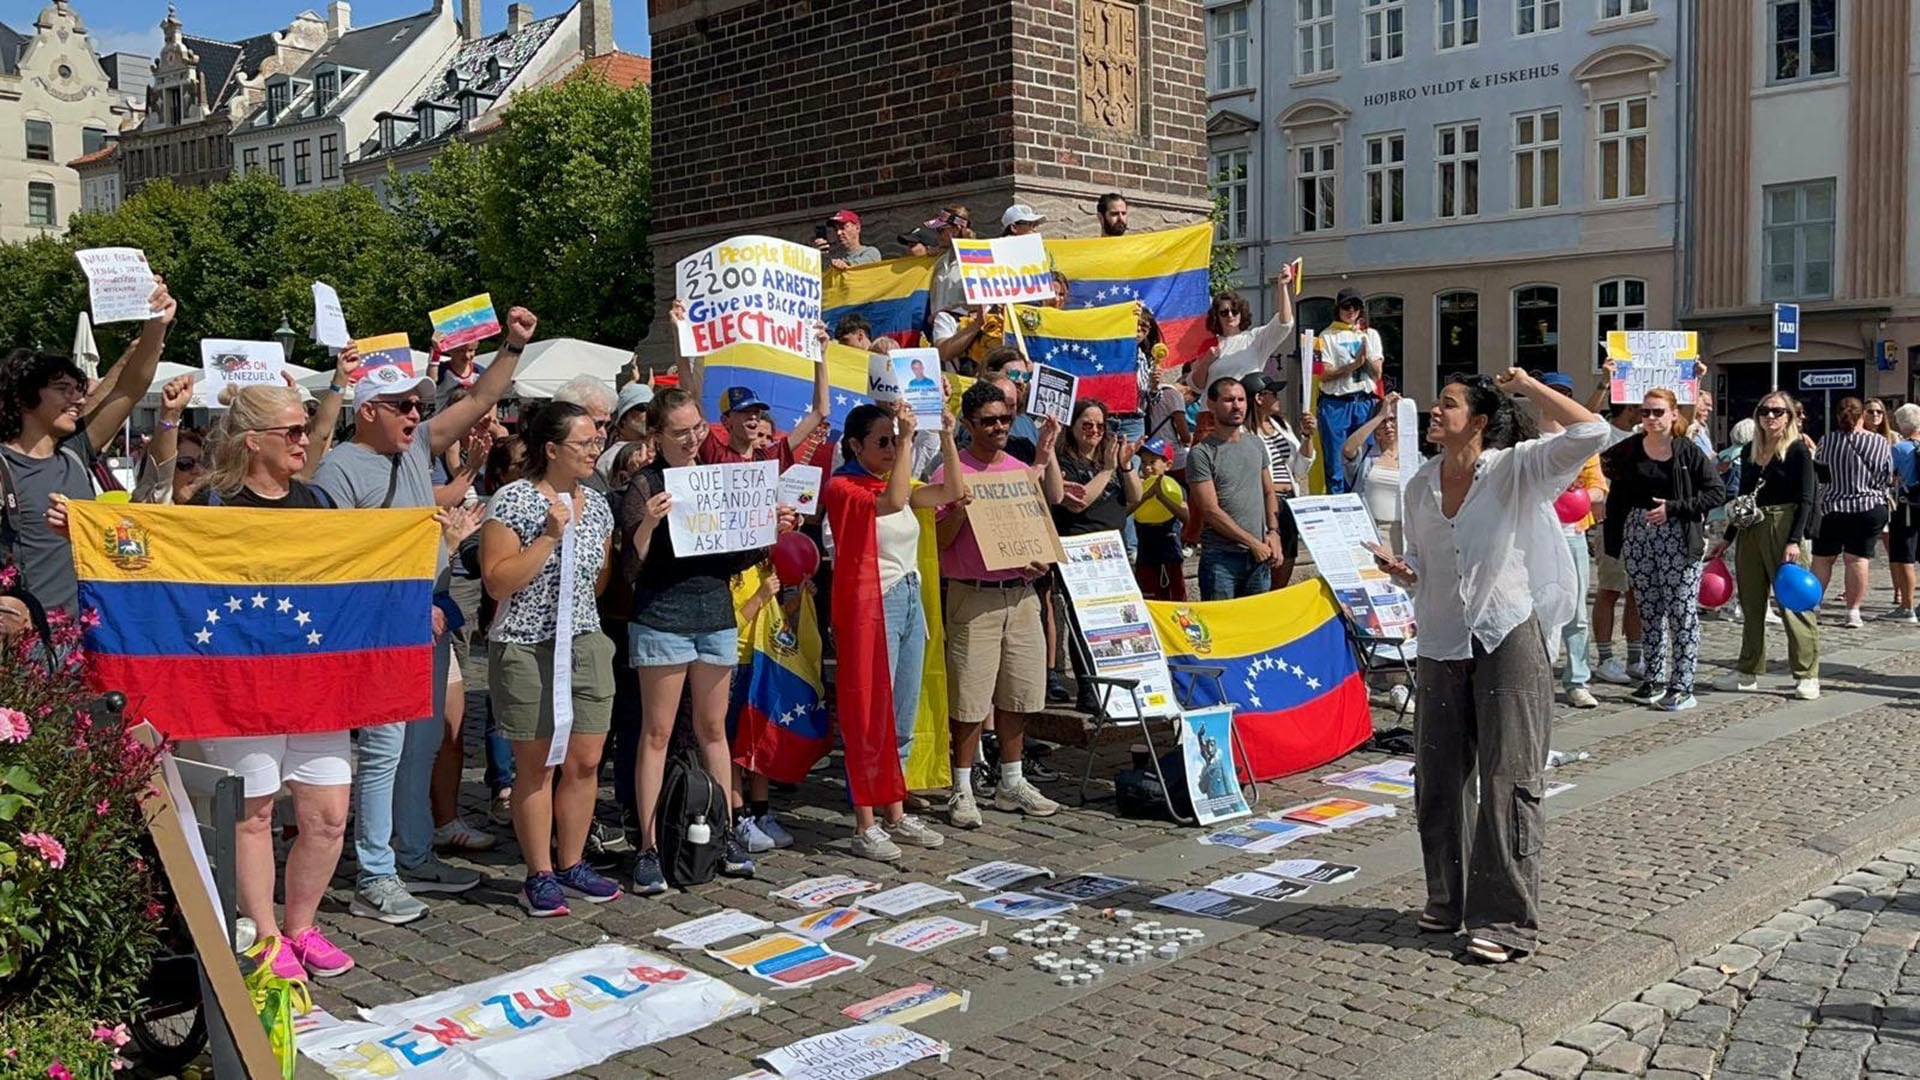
[(57, 103)]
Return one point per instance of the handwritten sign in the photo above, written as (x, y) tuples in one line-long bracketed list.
[(866, 1050), (800, 489), (225, 363), (329, 320), (1053, 393), (1010, 521), (721, 508), (1006, 270), (119, 284), (757, 289), (466, 322), (1654, 359)]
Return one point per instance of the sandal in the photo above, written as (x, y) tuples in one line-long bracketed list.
[(1428, 924), (1490, 951)]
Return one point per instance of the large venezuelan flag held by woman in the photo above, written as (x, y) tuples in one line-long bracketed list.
[(235, 621), (1300, 697)]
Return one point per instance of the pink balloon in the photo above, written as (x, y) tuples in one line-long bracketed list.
[(1572, 505), (1715, 589)]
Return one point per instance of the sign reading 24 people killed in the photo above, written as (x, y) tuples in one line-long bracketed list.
[(755, 289), (1006, 270), (1654, 360), (721, 508), (1010, 520)]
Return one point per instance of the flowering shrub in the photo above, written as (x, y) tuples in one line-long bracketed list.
[(55, 1046)]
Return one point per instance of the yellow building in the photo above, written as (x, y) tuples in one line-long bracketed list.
[(57, 103)]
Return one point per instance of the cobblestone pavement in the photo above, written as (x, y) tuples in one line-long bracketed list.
[(1828, 989), (1673, 829)]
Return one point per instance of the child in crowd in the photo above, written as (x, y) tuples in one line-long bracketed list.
[(1158, 517)]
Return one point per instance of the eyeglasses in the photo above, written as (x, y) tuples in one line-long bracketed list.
[(996, 420), (411, 405), (592, 443), (184, 463), (68, 388), (1770, 411), (602, 425), (292, 432)]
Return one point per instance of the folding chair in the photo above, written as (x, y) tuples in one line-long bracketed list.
[(1382, 654)]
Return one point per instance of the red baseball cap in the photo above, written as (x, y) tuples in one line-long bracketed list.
[(845, 217)]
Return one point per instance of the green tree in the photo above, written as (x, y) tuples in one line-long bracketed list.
[(1223, 262)]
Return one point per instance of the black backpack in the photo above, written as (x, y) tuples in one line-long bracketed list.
[(689, 801)]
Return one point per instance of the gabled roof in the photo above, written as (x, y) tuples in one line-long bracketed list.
[(11, 42), (218, 59), (485, 67), (101, 154), (371, 49), (623, 69)]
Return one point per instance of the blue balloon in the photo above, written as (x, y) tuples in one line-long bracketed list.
[(1796, 588)]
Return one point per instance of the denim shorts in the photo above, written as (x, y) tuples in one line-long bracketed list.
[(647, 647)]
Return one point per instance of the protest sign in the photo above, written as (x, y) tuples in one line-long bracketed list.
[(554, 1018), (1261, 835), (1258, 886), (1307, 382), (756, 289), (721, 508), (800, 488), (1018, 905), (907, 1004), (867, 1050), (787, 960), (1206, 743), (1652, 360), (329, 320), (709, 929), (1111, 615), (119, 284), (904, 899), (917, 374), (465, 322), (1053, 393), (998, 874), (821, 925), (226, 363), (1311, 870), (1011, 521), (1005, 270), (386, 350), (1335, 813), (821, 891), (926, 933), (1214, 905), (1086, 887), (1336, 529)]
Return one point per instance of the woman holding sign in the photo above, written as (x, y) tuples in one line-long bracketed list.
[(544, 555)]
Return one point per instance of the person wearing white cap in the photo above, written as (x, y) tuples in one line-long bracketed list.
[(1020, 220), (630, 413)]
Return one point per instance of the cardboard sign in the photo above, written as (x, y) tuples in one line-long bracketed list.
[(1652, 360), (1010, 520), (329, 320), (756, 289), (1007, 270), (1053, 393), (721, 508), (800, 488), (466, 322), (119, 284), (225, 363)]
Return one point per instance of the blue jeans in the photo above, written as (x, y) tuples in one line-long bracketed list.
[(1338, 419), (1573, 636), (499, 773), (906, 655), (1130, 427), (1229, 575), (393, 819)]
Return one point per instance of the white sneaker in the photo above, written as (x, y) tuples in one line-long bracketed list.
[(1677, 702), (912, 831), (1613, 671), (756, 839), (1773, 617), (1735, 682), (962, 811), (1854, 621), (457, 835), (873, 843), (1024, 798), (1582, 698), (1806, 689), (771, 828)]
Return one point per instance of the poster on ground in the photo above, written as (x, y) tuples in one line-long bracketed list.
[(721, 508), (119, 284), (1337, 530), (225, 362), (1652, 360), (1011, 521), (1206, 744), (757, 289), (866, 1050), (1005, 270), (1112, 617)]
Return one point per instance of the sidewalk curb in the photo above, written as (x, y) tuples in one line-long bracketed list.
[(1529, 1017)]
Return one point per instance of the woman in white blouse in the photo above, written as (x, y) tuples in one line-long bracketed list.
[(1243, 348), (1492, 585)]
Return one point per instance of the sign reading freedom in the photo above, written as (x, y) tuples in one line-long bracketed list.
[(756, 289), (1005, 270)]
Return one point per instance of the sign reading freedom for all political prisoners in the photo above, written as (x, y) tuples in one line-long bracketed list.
[(720, 508), (1007, 270), (1053, 393), (226, 363), (1010, 520), (756, 289), (119, 284), (1652, 360)]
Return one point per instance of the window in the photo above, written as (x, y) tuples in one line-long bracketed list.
[(1388, 315), (1315, 25), (40, 204), (302, 161), (276, 100), (1316, 187), (277, 163), (1623, 149), (1386, 30), (250, 159), (1457, 349), (329, 157), (1457, 164), (1805, 38), (1536, 328), (1619, 304), (1229, 41), (92, 140), (1535, 17), (469, 107), (1614, 9), (1230, 192), (1799, 241), (429, 122), (389, 133), (39, 140), (1459, 23), (326, 87), (1536, 160), (1386, 179)]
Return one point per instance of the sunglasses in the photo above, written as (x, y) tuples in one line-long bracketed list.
[(884, 442), (1653, 414), (998, 420), (1770, 411), (411, 405), (292, 432), (1876, 412), (1019, 375), (184, 463)]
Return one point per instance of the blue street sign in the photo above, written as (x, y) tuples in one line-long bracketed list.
[(1829, 379), (1786, 328)]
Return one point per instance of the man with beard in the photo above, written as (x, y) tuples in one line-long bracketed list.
[(1113, 214), (1231, 488)]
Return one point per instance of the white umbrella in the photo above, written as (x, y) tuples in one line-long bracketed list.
[(547, 365), (85, 352)]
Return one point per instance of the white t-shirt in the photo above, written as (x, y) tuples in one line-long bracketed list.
[(1342, 347), (898, 537), (1159, 408), (1246, 352), (1382, 492)]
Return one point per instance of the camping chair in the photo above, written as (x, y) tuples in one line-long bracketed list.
[(1375, 654), (1104, 687)]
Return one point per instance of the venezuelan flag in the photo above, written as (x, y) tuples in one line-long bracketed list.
[(465, 322), (783, 726), (381, 351), (1097, 344), (234, 621), (1165, 270), (785, 381), (1300, 699), (892, 295)]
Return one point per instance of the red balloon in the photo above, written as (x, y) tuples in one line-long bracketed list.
[(1572, 505), (1715, 589), (795, 558)]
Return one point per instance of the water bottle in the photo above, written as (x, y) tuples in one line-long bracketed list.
[(699, 833)]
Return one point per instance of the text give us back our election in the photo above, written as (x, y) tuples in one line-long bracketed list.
[(756, 289)]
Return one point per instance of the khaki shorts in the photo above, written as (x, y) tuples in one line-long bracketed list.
[(996, 651), (1610, 575), (520, 678)]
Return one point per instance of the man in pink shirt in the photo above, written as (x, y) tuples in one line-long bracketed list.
[(996, 647)]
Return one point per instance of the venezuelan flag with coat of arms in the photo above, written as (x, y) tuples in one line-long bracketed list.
[(891, 295), (234, 621), (1165, 270), (1300, 698), (783, 726), (1097, 344)]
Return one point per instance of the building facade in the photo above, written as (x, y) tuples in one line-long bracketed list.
[(1498, 177), (99, 174), (1802, 128)]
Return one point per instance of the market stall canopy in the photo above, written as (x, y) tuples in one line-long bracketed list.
[(548, 364)]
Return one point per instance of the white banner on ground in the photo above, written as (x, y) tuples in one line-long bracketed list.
[(866, 1050), (1112, 616), (552, 1019)]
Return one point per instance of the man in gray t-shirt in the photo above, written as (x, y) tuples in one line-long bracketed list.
[(1232, 490)]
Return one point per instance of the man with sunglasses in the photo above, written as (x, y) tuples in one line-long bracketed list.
[(389, 463)]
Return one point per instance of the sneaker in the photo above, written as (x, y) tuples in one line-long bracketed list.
[(1773, 617), (278, 957), (457, 835), (437, 876), (1613, 671), (912, 831), (1582, 698), (1024, 798), (1057, 692), (1806, 689), (771, 828), (587, 883), (1737, 682), (1854, 622), (542, 897), (500, 808), (756, 840), (386, 899), (1040, 770), (874, 843), (1637, 670), (1913, 616), (606, 843), (1676, 701), (737, 862), (1896, 614), (318, 955), (647, 878), (1646, 693), (962, 811)]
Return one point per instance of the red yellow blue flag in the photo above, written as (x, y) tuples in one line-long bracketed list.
[(891, 295), (1165, 270), (783, 726), (1097, 344)]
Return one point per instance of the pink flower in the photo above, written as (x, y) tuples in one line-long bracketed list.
[(50, 849), (100, 808), (117, 1035), (13, 726), (8, 575), (58, 1071)]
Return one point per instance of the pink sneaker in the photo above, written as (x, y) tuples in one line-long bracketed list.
[(278, 956), (322, 957)]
